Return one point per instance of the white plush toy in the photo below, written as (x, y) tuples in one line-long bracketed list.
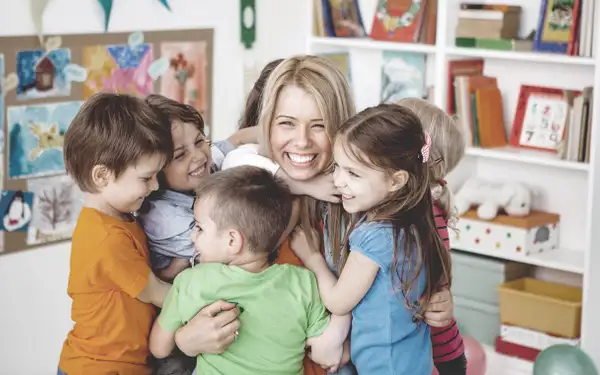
[(515, 198)]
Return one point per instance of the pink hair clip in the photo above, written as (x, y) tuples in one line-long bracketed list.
[(426, 148)]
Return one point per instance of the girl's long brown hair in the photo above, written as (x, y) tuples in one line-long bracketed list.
[(390, 138)]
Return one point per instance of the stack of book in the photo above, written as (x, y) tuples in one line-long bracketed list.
[(490, 26)]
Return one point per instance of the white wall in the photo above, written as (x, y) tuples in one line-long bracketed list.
[(34, 306)]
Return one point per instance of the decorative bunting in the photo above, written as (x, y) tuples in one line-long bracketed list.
[(107, 8), (165, 3)]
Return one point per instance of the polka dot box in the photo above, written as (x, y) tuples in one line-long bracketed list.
[(513, 236)]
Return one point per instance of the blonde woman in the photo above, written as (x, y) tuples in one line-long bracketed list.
[(305, 102)]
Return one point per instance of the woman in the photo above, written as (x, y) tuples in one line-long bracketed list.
[(305, 101)]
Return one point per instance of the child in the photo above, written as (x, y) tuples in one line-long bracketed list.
[(167, 216), (382, 158), (447, 149), (280, 303), (114, 149)]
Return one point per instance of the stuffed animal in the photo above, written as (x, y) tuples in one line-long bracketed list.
[(513, 197)]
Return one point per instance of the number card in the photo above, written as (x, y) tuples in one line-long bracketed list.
[(544, 123)]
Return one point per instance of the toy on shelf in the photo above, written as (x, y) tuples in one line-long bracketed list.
[(512, 197)]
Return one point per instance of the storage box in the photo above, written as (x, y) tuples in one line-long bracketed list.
[(477, 277), (542, 306), (513, 236), (478, 320)]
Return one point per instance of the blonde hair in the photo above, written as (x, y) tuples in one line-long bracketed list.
[(328, 86), (447, 149)]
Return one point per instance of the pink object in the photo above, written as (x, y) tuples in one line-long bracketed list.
[(476, 360), (435, 371)]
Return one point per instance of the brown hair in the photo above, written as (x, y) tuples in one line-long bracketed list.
[(252, 109), (113, 130), (250, 200), (447, 150), (329, 87), (389, 137), (174, 111)]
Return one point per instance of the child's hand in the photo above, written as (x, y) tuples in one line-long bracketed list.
[(302, 246), (320, 187), (330, 356), (440, 311)]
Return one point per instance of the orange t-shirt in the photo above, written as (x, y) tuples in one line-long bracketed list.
[(287, 256), (109, 269)]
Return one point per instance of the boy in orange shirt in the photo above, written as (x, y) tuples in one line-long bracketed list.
[(113, 149)]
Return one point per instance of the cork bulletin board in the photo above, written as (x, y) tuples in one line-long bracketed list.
[(42, 90)]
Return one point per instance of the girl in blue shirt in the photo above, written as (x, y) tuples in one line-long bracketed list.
[(393, 258)]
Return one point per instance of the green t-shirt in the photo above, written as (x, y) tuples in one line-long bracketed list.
[(282, 308)]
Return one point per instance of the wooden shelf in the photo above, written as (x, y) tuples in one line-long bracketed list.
[(558, 259), (522, 155), (366, 43), (537, 57)]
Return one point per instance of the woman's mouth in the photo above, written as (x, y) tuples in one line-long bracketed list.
[(198, 171), (301, 159)]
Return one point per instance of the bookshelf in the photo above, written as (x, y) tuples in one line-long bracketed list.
[(571, 189)]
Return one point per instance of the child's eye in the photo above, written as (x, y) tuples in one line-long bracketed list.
[(353, 174), (178, 156), (200, 142), (146, 179)]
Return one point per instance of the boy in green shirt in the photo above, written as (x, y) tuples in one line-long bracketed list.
[(240, 216)]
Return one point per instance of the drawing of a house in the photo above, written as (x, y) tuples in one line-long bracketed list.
[(44, 74)]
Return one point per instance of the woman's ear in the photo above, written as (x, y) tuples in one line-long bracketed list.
[(398, 180), (101, 176)]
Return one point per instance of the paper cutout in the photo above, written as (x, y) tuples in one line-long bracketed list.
[(37, 15), (158, 67), (75, 73), (10, 82), (135, 39), (107, 8), (35, 138), (41, 74), (15, 207), (53, 43)]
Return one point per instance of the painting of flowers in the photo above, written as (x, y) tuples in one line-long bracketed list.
[(185, 80), (118, 68)]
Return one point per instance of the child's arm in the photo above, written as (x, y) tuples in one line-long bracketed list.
[(320, 187), (342, 295), (162, 336), (169, 273), (155, 291), (244, 136), (129, 270), (325, 334)]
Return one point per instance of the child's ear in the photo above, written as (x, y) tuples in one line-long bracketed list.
[(235, 241), (399, 179), (101, 176)]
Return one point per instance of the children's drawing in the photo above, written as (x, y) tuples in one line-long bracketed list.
[(402, 76), (15, 207), (57, 202), (119, 68), (35, 138), (41, 74), (185, 80)]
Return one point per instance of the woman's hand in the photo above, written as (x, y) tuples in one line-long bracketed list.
[(211, 331), (440, 311)]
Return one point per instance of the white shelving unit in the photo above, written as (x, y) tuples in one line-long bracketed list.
[(569, 187)]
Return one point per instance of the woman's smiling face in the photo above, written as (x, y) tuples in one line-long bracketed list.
[(299, 141)]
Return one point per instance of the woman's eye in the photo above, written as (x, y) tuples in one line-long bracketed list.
[(286, 123), (319, 126)]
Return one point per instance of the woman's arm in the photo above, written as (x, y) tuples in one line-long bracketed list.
[(211, 331)]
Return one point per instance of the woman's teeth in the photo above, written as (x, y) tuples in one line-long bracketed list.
[(198, 171), (301, 159)]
